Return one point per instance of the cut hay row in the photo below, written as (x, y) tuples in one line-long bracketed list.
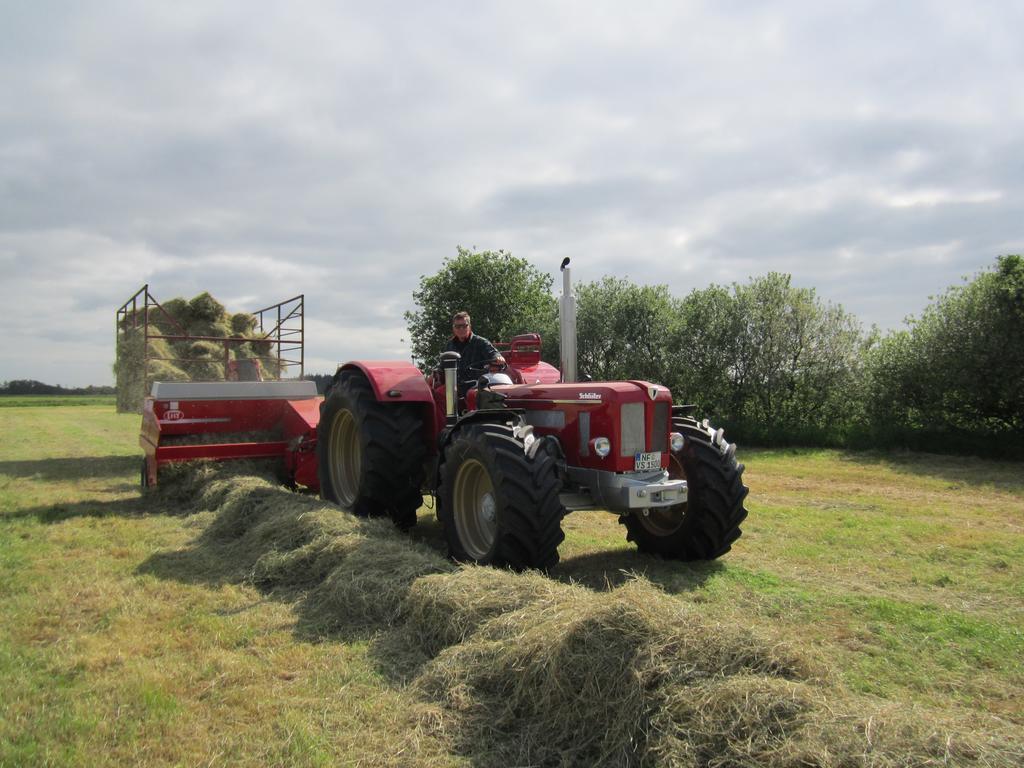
[(519, 669)]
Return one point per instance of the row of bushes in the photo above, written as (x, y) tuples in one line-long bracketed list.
[(776, 365), (772, 362), (33, 387)]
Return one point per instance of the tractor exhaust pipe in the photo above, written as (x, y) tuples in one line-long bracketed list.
[(450, 365), (567, 324)]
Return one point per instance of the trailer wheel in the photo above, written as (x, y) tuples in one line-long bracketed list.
[(498, 498), (370, 455), (708, 523)]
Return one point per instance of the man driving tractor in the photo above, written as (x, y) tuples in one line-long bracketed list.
[(476, 352)]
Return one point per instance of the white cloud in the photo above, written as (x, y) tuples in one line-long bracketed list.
[(932, 197), (341, 151)]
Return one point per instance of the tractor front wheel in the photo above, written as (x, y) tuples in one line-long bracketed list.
[(370, 455), (498, 497), (708, 523)]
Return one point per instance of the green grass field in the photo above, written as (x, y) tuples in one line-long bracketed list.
[(50, 401), (129, 639)]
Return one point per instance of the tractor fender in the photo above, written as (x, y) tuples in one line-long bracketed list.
[(546, 442), (473, 417), (447, 434), (393, 381), (498, 414)]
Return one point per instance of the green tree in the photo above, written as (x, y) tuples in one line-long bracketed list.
[(622, 330), (768, 357), (960, 366), (504, 296), (704, 340), (802, 357)]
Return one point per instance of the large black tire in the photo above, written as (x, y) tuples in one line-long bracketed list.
[(370, 455), (706, 526), (498, 497)]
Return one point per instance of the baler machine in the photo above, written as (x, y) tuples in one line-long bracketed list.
[(223, 420)]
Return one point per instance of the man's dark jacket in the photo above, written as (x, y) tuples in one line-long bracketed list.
[(476, 351)]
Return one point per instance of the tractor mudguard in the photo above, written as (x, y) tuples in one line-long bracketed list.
[(482, 415), (392, 381), (548, 443), (472, 417)]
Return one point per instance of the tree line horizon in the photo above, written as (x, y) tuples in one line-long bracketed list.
[(772, 363)]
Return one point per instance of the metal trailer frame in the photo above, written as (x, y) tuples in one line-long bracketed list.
[(283, 325)]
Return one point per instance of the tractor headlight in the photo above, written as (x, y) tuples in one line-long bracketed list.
[(602, 446), (676, 441)]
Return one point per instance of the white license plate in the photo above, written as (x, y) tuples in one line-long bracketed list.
[(648, 461)]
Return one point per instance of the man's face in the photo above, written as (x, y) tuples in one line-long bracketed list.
[(461, 329)]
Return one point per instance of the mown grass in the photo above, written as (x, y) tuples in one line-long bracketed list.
[(145, 632), (102, 663)]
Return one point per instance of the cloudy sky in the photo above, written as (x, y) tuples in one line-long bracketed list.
[(873, 150)]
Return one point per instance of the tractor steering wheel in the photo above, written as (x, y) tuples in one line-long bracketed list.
[(482, 368), (475, 373)]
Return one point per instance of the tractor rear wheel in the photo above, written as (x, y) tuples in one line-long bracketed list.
[(707, 524), (370, 455), (498, 497)]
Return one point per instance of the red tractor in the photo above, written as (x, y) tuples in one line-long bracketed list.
[(520, 449), (507, 459)]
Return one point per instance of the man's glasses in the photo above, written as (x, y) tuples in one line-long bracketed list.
[(460, 325)]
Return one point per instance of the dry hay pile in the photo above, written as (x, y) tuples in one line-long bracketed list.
[(519, 669), (182, 359)]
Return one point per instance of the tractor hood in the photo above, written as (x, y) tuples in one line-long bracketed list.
[(585, 393), (635, 416)]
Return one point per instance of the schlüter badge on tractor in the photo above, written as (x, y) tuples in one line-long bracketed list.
[(506, 461)]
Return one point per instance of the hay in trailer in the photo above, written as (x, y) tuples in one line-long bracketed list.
[(132, 372), (183, 359), (130, 369), (206, 349), (205, 361), (243, 324), (205, 308)]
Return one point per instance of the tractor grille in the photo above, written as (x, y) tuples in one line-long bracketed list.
[(584, 422), (632, 428), (659, 440)]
